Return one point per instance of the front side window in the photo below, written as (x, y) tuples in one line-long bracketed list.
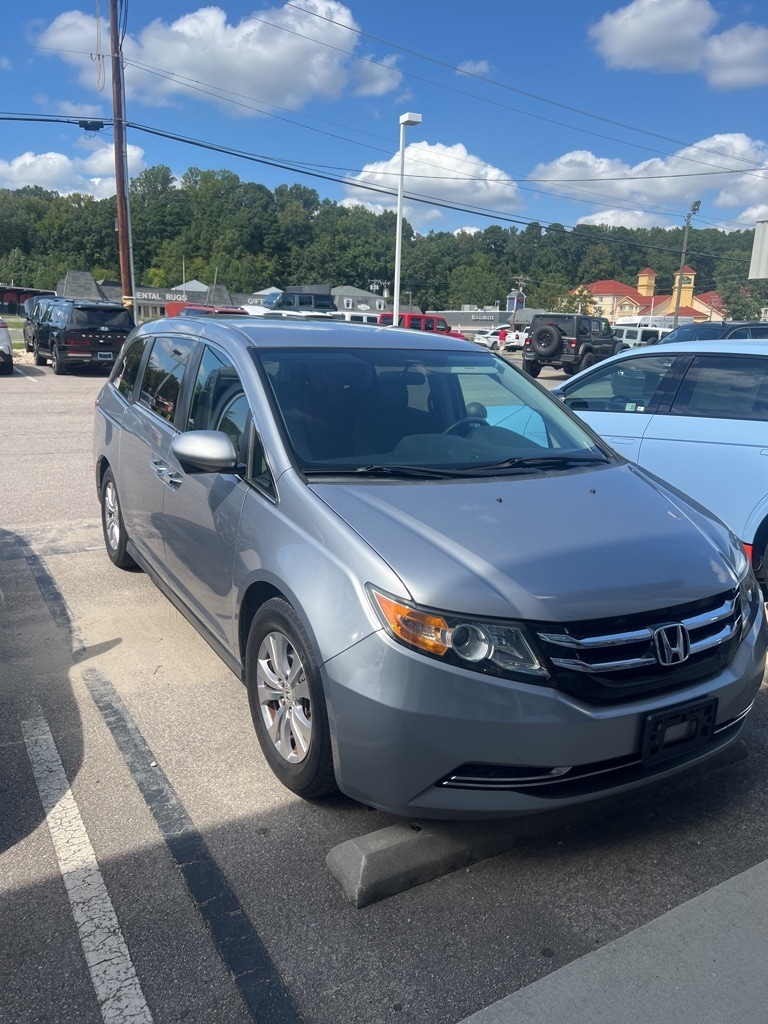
[(163, 374), (629, 386)]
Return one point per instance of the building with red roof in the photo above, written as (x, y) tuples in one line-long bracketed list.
[(614, 299)]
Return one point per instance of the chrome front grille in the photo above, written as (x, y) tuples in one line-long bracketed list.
[(615, 659)]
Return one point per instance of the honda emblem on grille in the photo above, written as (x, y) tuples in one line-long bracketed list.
[(673, 645)]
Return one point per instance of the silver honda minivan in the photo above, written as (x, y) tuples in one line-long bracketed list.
[(445, 595)]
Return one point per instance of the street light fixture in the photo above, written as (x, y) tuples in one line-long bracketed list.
[(405, 119), (694, 209)]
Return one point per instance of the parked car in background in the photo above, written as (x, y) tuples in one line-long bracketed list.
[(568, 342), (695, 414), (337, 508), (636, 337), (74, 333), (502, 338), (6, 350), (710, 331), (34, 309), (198, 309), (421, 322)]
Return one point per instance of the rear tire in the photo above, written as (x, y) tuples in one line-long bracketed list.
[(285, 693), (112, 525), (59, 368), (587, 360), (40, 359), (6, 369)]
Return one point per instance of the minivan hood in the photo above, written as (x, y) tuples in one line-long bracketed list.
[(568, 545)]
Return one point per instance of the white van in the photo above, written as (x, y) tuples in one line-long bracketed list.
[(633, 337)]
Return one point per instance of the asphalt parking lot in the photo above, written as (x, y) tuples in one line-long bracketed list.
[(131, 782)]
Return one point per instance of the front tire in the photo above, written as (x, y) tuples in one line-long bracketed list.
[(287, 703), (115, 535), (531, 367)]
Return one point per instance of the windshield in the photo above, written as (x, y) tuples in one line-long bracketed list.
[(384, 410)]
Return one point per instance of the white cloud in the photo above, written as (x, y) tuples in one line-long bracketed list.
[(665, 181), (282, 56), (475, 67), (738, 58), (622, 219), (92, 111), (444, 173), (376, 78), (674, 36), (662, 35), (92, 175), (5, 64)]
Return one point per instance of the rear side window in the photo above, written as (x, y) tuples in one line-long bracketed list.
[(726, 387), (164, 371)]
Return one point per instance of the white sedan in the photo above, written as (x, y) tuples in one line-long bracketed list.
[(6, 350), (696, 414), (511, 341)]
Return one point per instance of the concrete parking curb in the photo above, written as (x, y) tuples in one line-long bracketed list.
[(383, 863)]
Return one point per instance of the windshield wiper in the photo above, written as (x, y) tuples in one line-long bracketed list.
[(547, 462), (409, 471), (384, 469)]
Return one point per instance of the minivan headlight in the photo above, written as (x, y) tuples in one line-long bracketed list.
[(490, 646)]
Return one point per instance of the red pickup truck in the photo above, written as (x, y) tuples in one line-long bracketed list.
[(421, 322), (197, 309)]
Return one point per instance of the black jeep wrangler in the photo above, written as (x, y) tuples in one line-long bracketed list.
[(568, 341)]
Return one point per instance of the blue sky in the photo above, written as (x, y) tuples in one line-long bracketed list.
[(589, 111)]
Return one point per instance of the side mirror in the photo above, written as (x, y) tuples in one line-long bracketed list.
[(205, 451)]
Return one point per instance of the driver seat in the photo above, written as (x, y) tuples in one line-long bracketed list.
[(387, 418)]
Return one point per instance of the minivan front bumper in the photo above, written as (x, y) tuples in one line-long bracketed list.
[(415, 737)]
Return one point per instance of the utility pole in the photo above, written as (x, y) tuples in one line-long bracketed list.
[(694, 209), (121, 177), (520, 283)]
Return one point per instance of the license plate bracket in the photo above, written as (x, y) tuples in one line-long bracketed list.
[(678, 730)]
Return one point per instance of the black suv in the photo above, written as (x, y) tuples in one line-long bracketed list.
[(711, 330), (567, 341), (34, 308), (74, 333)]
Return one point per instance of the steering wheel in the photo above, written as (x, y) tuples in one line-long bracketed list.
[(464, 421)]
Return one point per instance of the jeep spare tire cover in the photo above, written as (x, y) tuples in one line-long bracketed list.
[(547, 340)]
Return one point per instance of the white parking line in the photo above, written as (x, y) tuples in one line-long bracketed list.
[(117, 987), (27, 376)]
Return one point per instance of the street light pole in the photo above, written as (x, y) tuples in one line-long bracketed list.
[(405, 119), (694, 209)]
